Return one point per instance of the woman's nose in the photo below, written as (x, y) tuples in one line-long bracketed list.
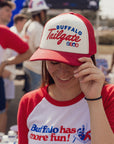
[(64, 66)]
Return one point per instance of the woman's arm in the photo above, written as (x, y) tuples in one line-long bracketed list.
[(14, 60), (91, 83), (101, 131), (22, 122), (19, 58), (12, 41)]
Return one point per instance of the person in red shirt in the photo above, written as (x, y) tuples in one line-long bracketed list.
[(6, 8), (9, 40), (73, 104)]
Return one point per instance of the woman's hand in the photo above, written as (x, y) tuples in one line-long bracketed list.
[(6, 74), (2, 66), (90, 77)]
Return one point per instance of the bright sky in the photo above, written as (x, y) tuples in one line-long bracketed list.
[(107, 8)]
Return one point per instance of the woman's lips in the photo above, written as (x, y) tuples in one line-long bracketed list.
[(65, 79)]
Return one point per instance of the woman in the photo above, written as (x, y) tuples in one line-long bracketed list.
[(73, 105)]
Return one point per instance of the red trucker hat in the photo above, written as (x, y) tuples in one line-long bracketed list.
[(66, 38)]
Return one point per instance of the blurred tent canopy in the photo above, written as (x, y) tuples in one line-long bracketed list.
[(58, 4), (74, 4)]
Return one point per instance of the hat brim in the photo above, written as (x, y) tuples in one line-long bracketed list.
[(64, 57)]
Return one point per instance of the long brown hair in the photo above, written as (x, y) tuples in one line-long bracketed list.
[(47, 79)]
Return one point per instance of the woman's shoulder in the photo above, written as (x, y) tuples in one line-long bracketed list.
[(108, 88), (108, 93), (30, 100), (35, 96), (4, 28)]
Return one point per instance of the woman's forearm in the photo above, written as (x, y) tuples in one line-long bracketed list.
[(101, 132), (20, 58), (15, 60)]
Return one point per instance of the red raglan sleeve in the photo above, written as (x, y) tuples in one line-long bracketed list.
[(108, 102), (26, 106), (9, 39), (22, 121)]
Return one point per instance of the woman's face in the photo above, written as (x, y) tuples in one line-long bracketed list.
[(43, 16), (62, 74)]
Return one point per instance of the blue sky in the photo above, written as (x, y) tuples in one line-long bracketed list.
[(107, 8)]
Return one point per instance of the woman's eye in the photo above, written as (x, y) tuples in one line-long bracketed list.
[(54, 62)]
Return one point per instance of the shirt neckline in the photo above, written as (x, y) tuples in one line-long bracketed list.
[(62, 103)]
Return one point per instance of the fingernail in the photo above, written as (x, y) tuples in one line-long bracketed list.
[(76, 75)]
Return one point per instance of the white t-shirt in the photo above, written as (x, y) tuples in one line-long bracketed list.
[(32, 32), (44, 120), (14, 29), (8, 84), (53, 122)]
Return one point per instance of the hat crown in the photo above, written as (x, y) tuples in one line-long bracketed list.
[(68, 33), (37, 5), (66, 38)]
